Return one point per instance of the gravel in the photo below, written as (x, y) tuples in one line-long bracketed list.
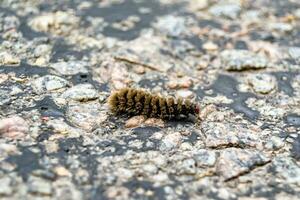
[(60, 61)]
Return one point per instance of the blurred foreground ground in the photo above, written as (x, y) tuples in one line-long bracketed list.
[(59, 61)]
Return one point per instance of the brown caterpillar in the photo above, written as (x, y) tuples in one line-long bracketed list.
[(139, 102)]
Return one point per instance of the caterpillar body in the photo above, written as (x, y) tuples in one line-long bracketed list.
[(139, 102)]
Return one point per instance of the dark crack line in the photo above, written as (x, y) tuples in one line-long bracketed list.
[(248, 171)]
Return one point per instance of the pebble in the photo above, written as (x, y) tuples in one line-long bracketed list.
[(173, 26), (40, 187), (188, 167), (199, 4), (205, 158), (48, 83), (210, 46), (51, 147), (117, 192), (8, 149), (228, 10), (186, 94), (238, 60), (286, 168), (134, 121), (274, 143), (233, 162), (282, 27), (154, 122), (222, 134), (294, 52), (15, 90), (42, 50), (297, 13), (3, 78), (6, 188), (81, 92), (160, 161), (61, 127), (160, 177), (13, 127), (170, 141), (150, 168), (4, 97), (86, 116), (57, 22), (70, 68), (181, 83), (262, 83), (204, 112), (8, 59)]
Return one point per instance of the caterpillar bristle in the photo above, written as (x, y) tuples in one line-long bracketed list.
[(139, 102)]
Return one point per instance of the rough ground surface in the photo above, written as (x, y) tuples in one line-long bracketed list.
[(61, 59)]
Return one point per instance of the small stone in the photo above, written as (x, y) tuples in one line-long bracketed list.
[(8, 59), (87, 116), (70, 68), (41, 61), (205, 158), (57, 22), (3, 78), (40, 187), (238, 60), (234, 162), (170, 141), (295, 151), (15, 90), (42, 50), (6, 186), (60, 127), (134, 121), (124, 173), (51, 147), (48, 83), (181, 83), (150, 168), (62, 171), (206, 111), (81, 92), (287, 170), (160, 161), (8, 149), (13, 127), (294, 52), (222, 134), (186, 146), (282, 27), (262, 83), (139, 69), (154, 122), (199, 4), (274, 143), (160, 177), (210, 46), (172, 84), (117, 192), (229, 10), (186, 94), (297, 13), (188, 167), (172, 25)]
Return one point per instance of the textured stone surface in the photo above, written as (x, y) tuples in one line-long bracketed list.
[(262, 83), (237, 59)]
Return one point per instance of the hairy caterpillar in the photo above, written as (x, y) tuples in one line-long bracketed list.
[(139, 102)]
